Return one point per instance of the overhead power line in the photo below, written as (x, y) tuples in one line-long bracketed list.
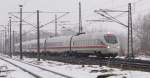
[(108, 16)]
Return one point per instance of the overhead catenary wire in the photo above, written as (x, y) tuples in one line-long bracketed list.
[(53, 20), (116, 19), (23, 20), (111, 19)]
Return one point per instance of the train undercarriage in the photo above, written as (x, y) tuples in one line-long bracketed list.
[(66, 54)]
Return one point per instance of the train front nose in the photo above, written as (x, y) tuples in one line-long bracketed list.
[(112, 42), (113, 49)]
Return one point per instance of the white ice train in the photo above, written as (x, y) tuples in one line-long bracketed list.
[(100, 44)]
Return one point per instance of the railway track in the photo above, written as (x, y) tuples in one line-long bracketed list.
[(35, 74), (131, 64), (135, 64)]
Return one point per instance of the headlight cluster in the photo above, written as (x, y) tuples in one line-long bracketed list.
[(118, 47), (108, 46), (114, 47)]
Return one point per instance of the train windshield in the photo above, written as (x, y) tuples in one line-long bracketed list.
[(110, 38)]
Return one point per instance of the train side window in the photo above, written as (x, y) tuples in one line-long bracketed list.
[(94, 42), (99, 42), (102, 42), (80, 42), (83, 42), (73, 43), (76, 43), (88, 42)]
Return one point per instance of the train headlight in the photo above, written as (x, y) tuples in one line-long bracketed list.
[(118, 47), (108, 46)]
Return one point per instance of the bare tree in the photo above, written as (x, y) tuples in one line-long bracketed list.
[(142, 34)]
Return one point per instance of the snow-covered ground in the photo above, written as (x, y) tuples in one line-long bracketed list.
[(13, 72), (141, 57), (78, 71), (87, 71)]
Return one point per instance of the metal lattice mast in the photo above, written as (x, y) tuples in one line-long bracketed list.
[(21, 54), (80, 18), (130, 32), (38, 36), (10, 45)]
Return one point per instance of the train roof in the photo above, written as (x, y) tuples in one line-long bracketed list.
[(62, 38), (29, 42)]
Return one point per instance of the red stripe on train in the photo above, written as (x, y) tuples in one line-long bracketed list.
[(95, 46)]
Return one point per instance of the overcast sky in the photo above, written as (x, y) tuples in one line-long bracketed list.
[(140, 7)]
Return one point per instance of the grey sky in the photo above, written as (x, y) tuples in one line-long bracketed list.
[(88, 6)]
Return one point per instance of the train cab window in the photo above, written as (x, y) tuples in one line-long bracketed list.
[(110, 38)]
